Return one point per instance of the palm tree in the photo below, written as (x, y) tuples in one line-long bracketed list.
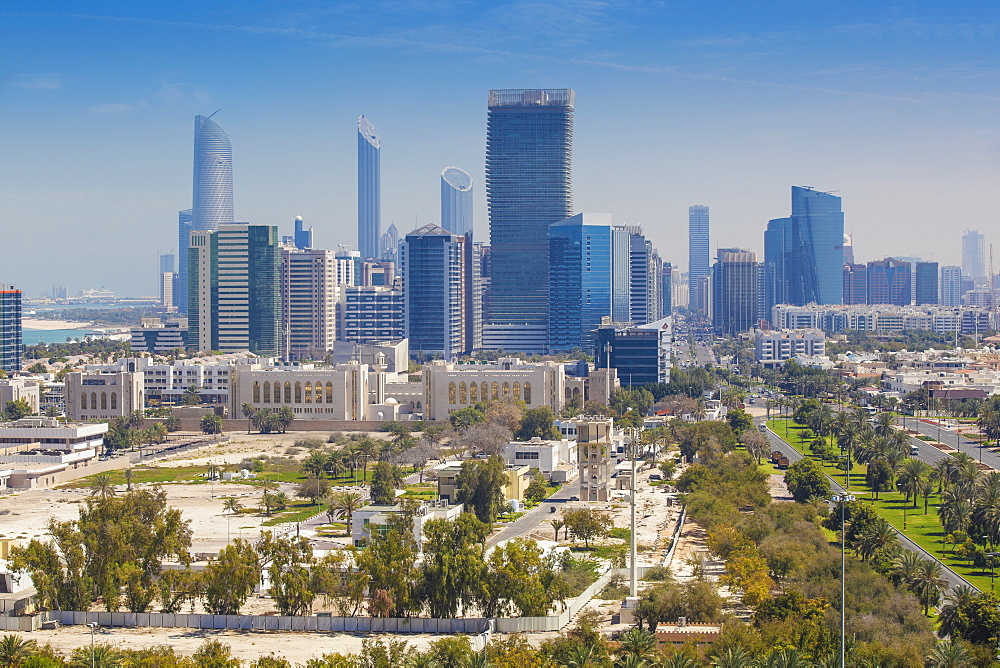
[(959, 599), (14, 651), (343, 505), (905, 567), (366, 447), (637, 642), (248, 411), (928, 583), (912, 473), (211, 424), (734, 657), (232, 505), (986, 513), (876, 538), (100, 656), (557, 525), (286, 416), (884, 423), (949, 654), (103, 485), (955, 511), (129, 475), (315, 463)]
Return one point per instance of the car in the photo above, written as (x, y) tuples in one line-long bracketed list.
[(574, 498)]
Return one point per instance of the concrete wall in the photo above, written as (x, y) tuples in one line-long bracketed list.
[(298, 425)]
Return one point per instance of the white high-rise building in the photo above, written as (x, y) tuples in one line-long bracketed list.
[(309, 296), (456, 201), (951, 286), (369, 189)]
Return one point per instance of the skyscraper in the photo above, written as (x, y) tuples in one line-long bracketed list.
[(889, 282), (848, 249), (667, 288), (529, 141), (646, 276), (777, 251), (303, 236), (855, 284), (369, 189), (581, 278), (456, 201), (735, 285), (234, 295), (212, 204), (309, 298), (926, 290), (432, 263), (973, 257), (389, 243), (951, 286), (10, 328), (184, 227), (698, 231)]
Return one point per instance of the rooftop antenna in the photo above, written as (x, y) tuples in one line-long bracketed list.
[(216, 111)]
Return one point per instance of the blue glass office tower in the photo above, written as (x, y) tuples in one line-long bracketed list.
[(10, 328), (302, 236), (212, 204), (456, 201), (432, 264), (529, 141), (586, 254), (369, 189), (804, 253), (184, 227), (698, 230)]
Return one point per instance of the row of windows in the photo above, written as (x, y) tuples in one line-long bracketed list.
[(292, 392), (104, 401), (474, 393)]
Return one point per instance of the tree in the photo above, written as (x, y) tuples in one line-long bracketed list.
[(949, 654), (248, 411), (191, 396), (98, 656), (537, 489), (286, 416), (928, 583), (806, 480), (739, 420), (214, 654), (231, 504), (172, 423), (517, 581), (878, 476), (342, 505), (389, 560), (103, 485), (211, 424), (587, 523), (290, 561), (756, 444), (480, 486), (537, 422), (15, 651), (974, 618), (466, 417), (231, 578), (454, 571), (557, 526), (18, 409), (315, 463), (386, 479), (488, 438), (313, 489)]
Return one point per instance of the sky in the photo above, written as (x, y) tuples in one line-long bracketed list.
[(892, 106)]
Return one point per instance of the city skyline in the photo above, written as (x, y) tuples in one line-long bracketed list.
[(891, 107)]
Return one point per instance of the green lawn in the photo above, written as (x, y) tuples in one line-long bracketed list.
[(196, 475), (923, 529), (295, 512)]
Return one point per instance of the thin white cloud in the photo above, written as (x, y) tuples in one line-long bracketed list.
[(113, 108), (36, 81)]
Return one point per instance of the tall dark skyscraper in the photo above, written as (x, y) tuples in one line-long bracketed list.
[(735, 285), (973, 256), (10, 328), (212, 204), (698, 231), (369, 189), (529, 141), (184, 227), (889, 282), (926, 283), (804, 254)]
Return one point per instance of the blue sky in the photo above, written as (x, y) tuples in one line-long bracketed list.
[(892, 105)]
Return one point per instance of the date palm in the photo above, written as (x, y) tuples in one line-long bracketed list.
[(928, 583), (232, 505), (877, 538), (14, 651), (949, 654), (103, 485)]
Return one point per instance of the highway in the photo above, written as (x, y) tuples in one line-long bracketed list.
[(953, 578)]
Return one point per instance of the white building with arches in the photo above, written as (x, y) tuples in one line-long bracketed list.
[(449, 387), (101, 395), (312, 392)]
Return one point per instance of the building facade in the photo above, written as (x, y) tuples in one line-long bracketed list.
[(889, 282), (456, 201), (855, 284), (449, 387), (212, 203), (774, 347), (369, 189), (735, 291), (309, 298), (529, 139), (368, 313), (312, 392), (640, 355), (974, 256), (11, 342), (645, 283), (698, 235), (951, 286), (926, 283), (156, 337), (99, 395)]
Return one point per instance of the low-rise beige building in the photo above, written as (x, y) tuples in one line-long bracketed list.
[(312, 392), (449, 387), (102, 395), (15, 389), (518, 479)]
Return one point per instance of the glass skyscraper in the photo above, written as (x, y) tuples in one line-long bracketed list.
[(212, 204), (529, 141), (456, 201), (369, 189), (973, 257), (10, 328), (698, 230), (735, 285), (184, 227)]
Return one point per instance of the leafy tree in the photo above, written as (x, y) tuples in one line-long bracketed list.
[(518, 581), (389, 560), (537, 489), (289, 572), (480, 486), (756, 444), (587, 523), (975, 618), (386, 479), (215, 654), (739, 420), (806, 480), (487, 437), (538, 422), (313, 489), (17, 409), (57, 567), (211, 424), (879, 476), (231, 578), (98, 656), (454, 572)]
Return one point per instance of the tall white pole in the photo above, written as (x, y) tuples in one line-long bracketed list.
[(632, 584)]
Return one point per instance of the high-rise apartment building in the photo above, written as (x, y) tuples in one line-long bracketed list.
[(698, 231), (926, 283), (889, 282), (529, 141), (735, 289), (212, 204), (667, 289), (432, 265), (348, 266), (581, 282), (456, 201), (804, 253), (646, 275), (369, 189), (184, 228), (309, 298), (234, 289), (11, 343), (974, 256), (951, 286), (848, 249), (855, 284), (368, 314), (389, 243)]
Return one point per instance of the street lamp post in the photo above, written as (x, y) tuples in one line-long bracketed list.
[(92, 626), (843, 500)]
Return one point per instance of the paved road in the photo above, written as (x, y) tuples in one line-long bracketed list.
[(951, 438), (535, 516), (953, 578)]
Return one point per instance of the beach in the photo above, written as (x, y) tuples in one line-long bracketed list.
[(49, 325)]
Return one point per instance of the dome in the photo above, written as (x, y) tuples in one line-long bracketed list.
[(390, 401)]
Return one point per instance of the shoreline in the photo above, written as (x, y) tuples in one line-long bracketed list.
[(52, 325)]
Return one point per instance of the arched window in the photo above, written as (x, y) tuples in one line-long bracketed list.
[(267, 392), (288, 392), (527, 393), (256, 392), (569, 393), (576, 391), (451, 392), (517, 390), (463, 393), (83, 400), (485, 395), (298, 392), (93, 401), (309, 392), (505, 390), (474, 393), (104, 401), (329, 392), (114, 400), (496, 391)]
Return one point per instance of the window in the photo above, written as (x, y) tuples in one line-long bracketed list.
[(83, 400), (517, 390), (525, 455), (114, 400), (496, 391), (298, 392), (485, 396), (505, 390), (474, 393), (463, 393), (93, 400), (288, 392), (256, 392), (267, 392), (309, 392), (329, 392), (527, 393), (104, 401), (451, 392)]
